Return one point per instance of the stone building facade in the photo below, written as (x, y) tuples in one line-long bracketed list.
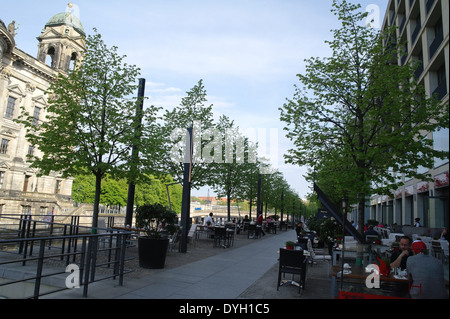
[(24, 81)]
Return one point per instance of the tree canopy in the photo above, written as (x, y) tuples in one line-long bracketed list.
[(91, 119), (93, 122), (358, 116)]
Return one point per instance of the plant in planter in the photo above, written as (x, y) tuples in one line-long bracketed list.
[(158, 222), (328, 230), (290, 245)]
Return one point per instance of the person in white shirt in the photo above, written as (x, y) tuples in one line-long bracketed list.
[(209, 220)]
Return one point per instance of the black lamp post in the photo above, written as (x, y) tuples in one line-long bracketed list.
[(135, 155), (186, 198)]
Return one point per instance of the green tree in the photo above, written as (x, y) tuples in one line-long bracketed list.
[(151, 192), (91, 119), (83, 189), (114, 192), (360, 109), (248, 187), (192, 112), (232, 165)]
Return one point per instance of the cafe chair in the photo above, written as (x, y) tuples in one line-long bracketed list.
[(253, 231), (220, 237), (303, 242), (292, 262), (315, 258), (436, 249), (272, 228), (230, 231), (174, 239), (192, 235)]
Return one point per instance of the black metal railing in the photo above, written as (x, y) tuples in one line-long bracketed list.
[(94, 256)]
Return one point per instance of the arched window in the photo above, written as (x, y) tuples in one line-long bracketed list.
[(51, 53), (73, 61)]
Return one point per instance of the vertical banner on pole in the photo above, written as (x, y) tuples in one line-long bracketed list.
[(186, 199)]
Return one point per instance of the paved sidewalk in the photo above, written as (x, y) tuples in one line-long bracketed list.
[(223, 276)]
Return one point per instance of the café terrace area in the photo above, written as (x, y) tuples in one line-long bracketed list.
[(249, 261)]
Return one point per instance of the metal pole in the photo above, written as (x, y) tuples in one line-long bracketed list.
[(344, 204), (186, 199), (258, 202), (293, 213), (343, 248), (168, 194), (135, 153)]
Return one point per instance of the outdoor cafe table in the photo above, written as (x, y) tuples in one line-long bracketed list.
[(210, 230), (358, 276), (367, 257)]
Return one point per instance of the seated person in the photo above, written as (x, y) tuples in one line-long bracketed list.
[(399, 258), (299, 229), (370, 231), (426, 274), (444, 234), (209, 220)]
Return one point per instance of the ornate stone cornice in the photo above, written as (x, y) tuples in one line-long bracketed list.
[(33, 64)]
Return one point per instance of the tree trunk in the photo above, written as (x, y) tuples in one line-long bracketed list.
[(265, 213), (229, 204), (250, 209), (98, 189), (361, 206)]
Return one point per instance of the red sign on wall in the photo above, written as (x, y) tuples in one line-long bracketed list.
[(441, 180)]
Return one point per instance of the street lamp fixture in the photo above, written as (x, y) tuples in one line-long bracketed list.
[(345, 203)]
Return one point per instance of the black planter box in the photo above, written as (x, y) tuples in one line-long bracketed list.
[(152, 252)]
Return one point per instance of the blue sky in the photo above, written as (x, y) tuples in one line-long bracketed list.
[(247, 52)]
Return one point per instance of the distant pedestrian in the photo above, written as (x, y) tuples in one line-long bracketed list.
[(417, 222)]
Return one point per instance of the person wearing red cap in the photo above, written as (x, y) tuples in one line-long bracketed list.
[(426, 274), (418, 247)]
